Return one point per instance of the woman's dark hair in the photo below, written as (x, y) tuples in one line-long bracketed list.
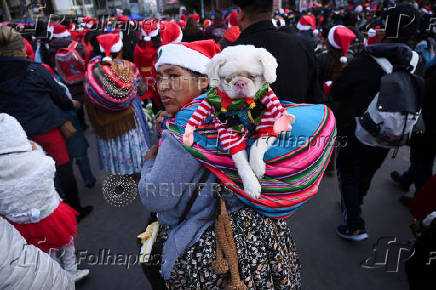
[(196, 75), (254, 6), (91, 38), (156, 41), (218, 15), (191, 28)]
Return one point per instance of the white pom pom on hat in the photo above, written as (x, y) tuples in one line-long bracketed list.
[(340, 37)]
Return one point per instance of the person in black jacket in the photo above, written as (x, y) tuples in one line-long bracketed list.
[(352, 92), (29, 93), (297, 79)]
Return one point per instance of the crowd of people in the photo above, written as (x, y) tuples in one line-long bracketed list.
[(133, 82)]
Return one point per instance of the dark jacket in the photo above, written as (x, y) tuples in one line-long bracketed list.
[(29, 93), (359, 82), (309, 38), (427, 142), (297, 79)]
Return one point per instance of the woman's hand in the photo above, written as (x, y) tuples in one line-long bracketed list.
[(34, 147), (77, 105), (152, 152), (160, 119)]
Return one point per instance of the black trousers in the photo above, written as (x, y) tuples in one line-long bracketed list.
[(67, 184), (356, 165), (151, 269)]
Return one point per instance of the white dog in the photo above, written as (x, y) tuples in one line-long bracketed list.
[(242, 103)]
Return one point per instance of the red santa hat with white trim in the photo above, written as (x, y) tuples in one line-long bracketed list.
[(150, 28), (170, 32), (59, 30), (340, 37), (372, 37), (109, 43), (190, 55), (306, 23)]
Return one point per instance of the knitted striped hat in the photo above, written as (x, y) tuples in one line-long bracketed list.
[(112, 87)]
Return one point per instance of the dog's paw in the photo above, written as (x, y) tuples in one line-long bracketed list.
[(253, 189), (283, 124), (258, 167)]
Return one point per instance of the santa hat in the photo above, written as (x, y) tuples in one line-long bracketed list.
[(89, 21), (193, 55), (170, 33), (150, 28), (59, 30), (13, 138), (123, 19), (340, 37), (372, 37), (195, 16), (181, 23), (232, 34), (109, 43), (233, 19), (207, 23), (306, 23), (29, 50)]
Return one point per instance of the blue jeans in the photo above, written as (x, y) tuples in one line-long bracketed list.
[(85, 169)]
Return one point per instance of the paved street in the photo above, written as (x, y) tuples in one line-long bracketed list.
[(328, 262)]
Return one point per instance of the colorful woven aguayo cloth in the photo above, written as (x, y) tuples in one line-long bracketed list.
[(295, 164)]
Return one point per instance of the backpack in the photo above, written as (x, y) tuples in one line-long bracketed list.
[(69, 65), (392, 115)]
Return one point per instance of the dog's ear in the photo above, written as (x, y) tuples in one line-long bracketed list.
[(269, 64), (213, 68)]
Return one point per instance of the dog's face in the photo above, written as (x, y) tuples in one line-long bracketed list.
[(240, 71)]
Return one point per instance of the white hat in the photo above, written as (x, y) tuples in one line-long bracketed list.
[(13, 138), (193, 55)]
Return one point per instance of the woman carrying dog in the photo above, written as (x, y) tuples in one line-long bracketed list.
[(185, 250)]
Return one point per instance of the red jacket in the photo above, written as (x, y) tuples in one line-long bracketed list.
[(145, 58)]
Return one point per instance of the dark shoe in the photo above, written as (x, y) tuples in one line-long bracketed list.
[(351, 234), (405, 200), (396, 177), (91, 185), (84, 212)]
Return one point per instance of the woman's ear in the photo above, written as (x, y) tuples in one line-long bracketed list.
[(213, 68), (203, 83), (269, 64)]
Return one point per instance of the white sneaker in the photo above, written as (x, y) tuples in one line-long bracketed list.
[(79, 274)]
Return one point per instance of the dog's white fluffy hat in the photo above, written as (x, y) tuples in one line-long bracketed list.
[(243, 58)]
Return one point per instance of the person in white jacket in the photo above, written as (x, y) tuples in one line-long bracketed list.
[(24, 266), (28, 199)]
